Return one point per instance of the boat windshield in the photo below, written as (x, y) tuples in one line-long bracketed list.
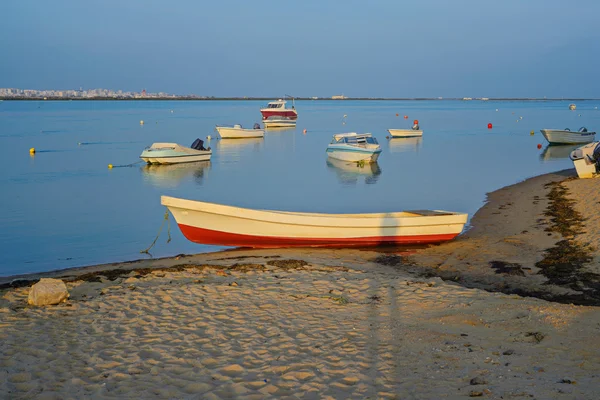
[(274, 105), (355, 140)]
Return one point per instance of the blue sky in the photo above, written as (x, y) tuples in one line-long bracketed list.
[(375, 48)]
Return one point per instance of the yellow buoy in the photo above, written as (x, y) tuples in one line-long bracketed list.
[(532, 133), (142, 122), (32, 150), (110, 166)]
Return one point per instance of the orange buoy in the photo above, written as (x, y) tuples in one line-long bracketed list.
[(406, 117), (539, 146), (416, 122), (397, 114), (304, 131), (490, 125)]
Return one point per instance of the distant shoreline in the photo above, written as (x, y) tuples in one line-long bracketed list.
[(184, 98)]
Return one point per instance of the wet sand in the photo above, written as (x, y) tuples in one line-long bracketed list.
[(308, 323)]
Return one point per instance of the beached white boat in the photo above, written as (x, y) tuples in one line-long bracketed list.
[(405, 133), (566, 136), (586, 160), (354, 147), (237, 132), (276, 121), (217, 224), (173, 153)]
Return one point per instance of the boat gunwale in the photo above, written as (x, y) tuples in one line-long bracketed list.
[(381, 220)]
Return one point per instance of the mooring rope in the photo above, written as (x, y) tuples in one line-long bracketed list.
[(127, 165), (159, 231)]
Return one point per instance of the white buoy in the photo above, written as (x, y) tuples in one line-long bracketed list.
[(141, 122), (208, 137)]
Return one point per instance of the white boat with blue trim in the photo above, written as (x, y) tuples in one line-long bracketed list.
[(354, 147), (173, 153), (566, 136)]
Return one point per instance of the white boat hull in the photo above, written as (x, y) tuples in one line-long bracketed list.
[(173, 153), (209, 223), (556, 136), (227, 132), (582, 160), (279, 123), (405, 133), (352, 156)]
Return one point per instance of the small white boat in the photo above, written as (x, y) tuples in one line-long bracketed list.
[(405, 133), (566, 136), (586, 160), (173, 153), (217, 224), (276, 121), (237, 132), (354, 147)]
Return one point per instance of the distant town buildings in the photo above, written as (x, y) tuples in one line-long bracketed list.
[(84, 94), (338, 97)]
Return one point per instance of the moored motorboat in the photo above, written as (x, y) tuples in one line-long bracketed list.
[(237, 132), (566, 136), (173, 153), (354, 147), (275, 121), (209, 223), (278, 108), (586, 160), (405, 133)]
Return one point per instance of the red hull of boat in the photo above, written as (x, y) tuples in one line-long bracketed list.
[(287, 113), (207, 236)]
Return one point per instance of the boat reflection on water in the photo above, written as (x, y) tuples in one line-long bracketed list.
[(171, 175), (237, 146), (349, 173), (276, 129), (402, 145), (557, 152)]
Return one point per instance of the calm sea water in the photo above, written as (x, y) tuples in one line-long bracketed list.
[(63, 207)]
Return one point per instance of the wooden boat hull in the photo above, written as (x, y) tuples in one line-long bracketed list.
[(405, 133), (556, 136), (227, 132), (209, 223)]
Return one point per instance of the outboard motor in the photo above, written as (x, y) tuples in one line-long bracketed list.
[(256, 125), (198, 144), (583, 129), (415, 127)]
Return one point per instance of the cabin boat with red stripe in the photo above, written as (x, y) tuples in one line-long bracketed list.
[(278, 108)]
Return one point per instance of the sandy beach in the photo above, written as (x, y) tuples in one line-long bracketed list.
[(508, 310)]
